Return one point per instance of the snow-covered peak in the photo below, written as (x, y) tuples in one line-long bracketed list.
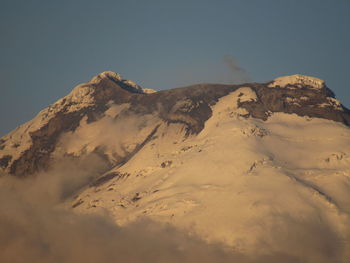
[(132, 86), (105, 75), (82, 96), (297, 80)]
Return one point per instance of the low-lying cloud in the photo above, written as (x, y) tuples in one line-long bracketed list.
[(35, 227)]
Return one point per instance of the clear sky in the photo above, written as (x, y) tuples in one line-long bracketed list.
[(47, 47)]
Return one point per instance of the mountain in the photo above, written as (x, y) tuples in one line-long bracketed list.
[(31, 146), (259, 167)]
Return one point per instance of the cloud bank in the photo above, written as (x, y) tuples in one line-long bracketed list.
[(35, 227)]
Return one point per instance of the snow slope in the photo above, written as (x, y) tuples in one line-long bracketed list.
[(240, 181), (298, 79), (59, 117)]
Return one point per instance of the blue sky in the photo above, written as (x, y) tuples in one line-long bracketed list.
[(48, 47)]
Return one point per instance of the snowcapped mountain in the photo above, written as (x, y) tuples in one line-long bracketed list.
[(109, 98), (254, 166)]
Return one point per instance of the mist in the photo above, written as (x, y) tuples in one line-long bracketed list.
[(36, 226)]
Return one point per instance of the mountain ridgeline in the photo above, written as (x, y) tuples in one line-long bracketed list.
[(33, 146)]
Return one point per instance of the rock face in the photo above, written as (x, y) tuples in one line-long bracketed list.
[(31, 147), (244, 165)]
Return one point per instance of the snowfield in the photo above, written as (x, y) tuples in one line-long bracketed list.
[(240, 181)]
